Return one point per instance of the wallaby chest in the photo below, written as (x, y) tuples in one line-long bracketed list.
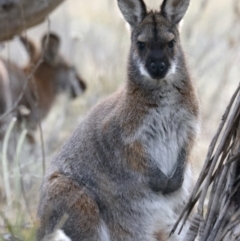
[(164, 132)]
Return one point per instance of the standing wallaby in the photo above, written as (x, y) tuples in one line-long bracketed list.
[(125, 174), (52, 75)]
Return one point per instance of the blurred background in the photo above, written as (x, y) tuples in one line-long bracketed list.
[(95, 39)]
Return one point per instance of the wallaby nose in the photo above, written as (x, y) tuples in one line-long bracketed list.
[(158, 67), (153, 67), (162, 66)]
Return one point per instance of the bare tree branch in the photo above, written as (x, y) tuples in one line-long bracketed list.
[(217, 215), (17, 15)]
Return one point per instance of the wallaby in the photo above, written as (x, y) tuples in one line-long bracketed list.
[(52, 75), (125, 174)]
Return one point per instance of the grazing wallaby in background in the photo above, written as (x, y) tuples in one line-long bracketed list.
[(125, 174), (52, 75)]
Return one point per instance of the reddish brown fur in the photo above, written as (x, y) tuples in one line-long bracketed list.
[(175, 3), (60, 188), (138, 112), (160, 236), (133, 153)]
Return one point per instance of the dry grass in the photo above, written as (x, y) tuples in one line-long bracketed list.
[(96, 40)]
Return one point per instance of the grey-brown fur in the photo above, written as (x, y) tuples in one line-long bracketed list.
[(125, 173)]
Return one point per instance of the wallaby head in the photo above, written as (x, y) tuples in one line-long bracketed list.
[(156, 52), (54, 67), (66, 74)]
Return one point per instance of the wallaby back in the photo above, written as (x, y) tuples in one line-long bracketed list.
[(125, 174)]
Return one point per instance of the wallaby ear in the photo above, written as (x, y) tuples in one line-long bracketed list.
[(50, 47), (30, 47), (174, 10), (133, 11)]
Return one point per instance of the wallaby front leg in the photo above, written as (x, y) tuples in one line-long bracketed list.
[(176, 180), (157, 180)]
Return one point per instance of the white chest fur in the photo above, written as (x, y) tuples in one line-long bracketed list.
[(164, 132)]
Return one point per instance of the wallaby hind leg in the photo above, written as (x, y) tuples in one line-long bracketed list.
[(64, 196)]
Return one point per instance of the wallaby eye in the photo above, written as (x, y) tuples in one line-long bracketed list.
[(171, 44), (141, 45)]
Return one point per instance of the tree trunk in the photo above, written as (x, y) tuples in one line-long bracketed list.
[(18, 15)]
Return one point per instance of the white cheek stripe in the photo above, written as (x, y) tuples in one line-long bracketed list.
[(143, 70), (173, 68), (145, 73), (60, 235)]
